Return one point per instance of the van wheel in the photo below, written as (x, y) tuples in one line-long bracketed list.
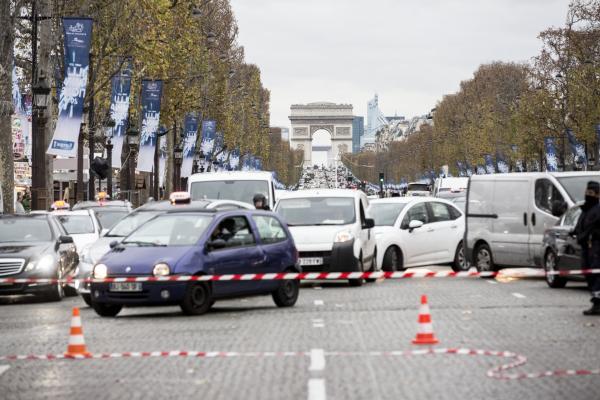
[(484, 262), (197, 299), (392, 260), (554, 281), (361, 268), (460, 261)]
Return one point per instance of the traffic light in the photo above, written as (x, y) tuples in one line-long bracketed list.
[(381, 177)]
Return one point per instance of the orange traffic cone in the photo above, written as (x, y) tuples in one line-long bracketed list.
[(76, 346), (425, 334)]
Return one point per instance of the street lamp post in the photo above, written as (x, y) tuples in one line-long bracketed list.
[(178, 155), (41, 98), (108, 134), (133, 139)]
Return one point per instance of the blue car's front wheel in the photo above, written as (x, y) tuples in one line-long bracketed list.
[(197, 299), (287, 293)]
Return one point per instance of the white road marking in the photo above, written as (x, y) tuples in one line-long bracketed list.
[(4, 368), (492, 282), (518, 295), (317, 287), (319, 302), (318, 323), (316, 389), (317, 360)]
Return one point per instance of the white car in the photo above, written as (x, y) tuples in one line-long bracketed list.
[(332, 230), (82, 225), (418, 231)]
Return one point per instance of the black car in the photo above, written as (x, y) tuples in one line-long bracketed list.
[(108, 212), (561, 250), (35, 246)]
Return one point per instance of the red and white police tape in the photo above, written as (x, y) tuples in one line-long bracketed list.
[(495, 373), (528, 273)]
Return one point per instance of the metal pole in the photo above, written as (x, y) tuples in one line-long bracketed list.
[(92, 128), (132, 155), (109, 147), (80, 191), (156, 172)]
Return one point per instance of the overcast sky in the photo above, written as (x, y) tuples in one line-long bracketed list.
[(410, 52)]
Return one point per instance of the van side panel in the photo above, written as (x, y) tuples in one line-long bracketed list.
[(510, 231)]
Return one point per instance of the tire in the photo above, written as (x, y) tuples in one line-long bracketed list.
[(197, 299), (373, 266), (554, 281), (392, 260), (56, 292), (87, 298), (361, 267), (460, 261), (107, 310), (287, 293), (484, 260), (70, 291)]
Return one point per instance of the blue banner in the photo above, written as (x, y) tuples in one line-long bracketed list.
[(480, 170), (209, 132), (257, 164), (119, 110), (162, 158), (77, 41), (461, 168), (217, 147), (501, 163), (577, 149), (151, 95), (489, 164), (247, 162), (190, 129), (551, 159), (234, 160), (468, 168)]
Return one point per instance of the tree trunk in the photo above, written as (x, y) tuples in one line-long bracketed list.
[(45, 67), (7, 183)]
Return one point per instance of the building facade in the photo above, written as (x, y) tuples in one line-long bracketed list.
[(358, 130)]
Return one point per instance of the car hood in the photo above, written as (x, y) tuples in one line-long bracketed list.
[(322, 236), (102, 246), (141, 260), (22, 250)]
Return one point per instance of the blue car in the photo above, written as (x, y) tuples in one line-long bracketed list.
[(197, 241)]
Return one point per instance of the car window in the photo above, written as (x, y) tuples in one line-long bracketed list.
[(24, 230), (170, 230), (317, 211), (235, 231), (385, 214), (77, 224), (439, 212), (362, 213), (416, 212), (108, 219), (546, 194), (571, 216), (269, 229)]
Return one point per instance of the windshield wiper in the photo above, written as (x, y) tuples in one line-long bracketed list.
[(145, 244)]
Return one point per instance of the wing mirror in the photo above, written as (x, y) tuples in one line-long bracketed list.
[(63, 239), (559, 207), (369, 223), (114, 244), (414, 224), (216, 244)]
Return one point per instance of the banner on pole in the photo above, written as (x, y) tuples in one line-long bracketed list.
[(119, 110), (501, 163), (162, 160), (489, 164), (577, 148), (209, 131), (551, 159), (190, 128), (77, 41), (234, 160), (151, 95)]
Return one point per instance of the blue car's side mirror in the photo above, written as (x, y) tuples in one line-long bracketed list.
[(114, 244)]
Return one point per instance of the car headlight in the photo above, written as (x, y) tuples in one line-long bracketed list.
[(100, 271), (343, 236), (43, 264), (161, 269)]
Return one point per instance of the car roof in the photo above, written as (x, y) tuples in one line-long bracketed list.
[(165, 205), (536, 175), (409, 199), (323, 193), (86, 211), (231, 175), (36, 215), (97, 204)]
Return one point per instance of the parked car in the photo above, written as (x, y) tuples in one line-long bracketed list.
[(82, 225), (91, 254), (418, 189), (109, 212), (450, 188), (561, 250), (417, 231), (35, 246), (332, 230), (195, 242), (507, 214)]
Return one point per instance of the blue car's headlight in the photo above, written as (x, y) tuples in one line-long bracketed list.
[(100, 271), (161, 269)]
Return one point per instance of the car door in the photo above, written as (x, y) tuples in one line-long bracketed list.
[(510, 234), (276, 246), (66, 251), (443, 237), (545, 194), (416, 241), (569, 251), (241, 255), (368, 245)]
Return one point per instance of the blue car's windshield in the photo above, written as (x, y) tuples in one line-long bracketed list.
[(170, 230)]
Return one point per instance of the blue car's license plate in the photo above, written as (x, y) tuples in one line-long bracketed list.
[(125, 286)]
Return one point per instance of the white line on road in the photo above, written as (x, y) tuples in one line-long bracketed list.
[(317, 360), (518, 295), (318, 323), (316, 389), (492, 282), (319, 302), (4, 368), (317, 287)]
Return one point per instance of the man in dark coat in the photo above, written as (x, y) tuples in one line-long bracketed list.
[(587, 231)]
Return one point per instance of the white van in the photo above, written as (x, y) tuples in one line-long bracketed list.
[(418, 189), (331, 229), (450, 188), (232, 185), (507, 214)]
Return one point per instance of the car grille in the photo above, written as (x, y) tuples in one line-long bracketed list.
[(11, 266)]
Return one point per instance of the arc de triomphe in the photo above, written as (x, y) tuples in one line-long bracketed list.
[(336, 119)]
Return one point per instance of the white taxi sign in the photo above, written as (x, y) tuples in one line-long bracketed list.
[(180, 198)]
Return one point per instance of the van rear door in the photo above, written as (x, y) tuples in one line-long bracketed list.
[(544, 192), (510, 232)]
